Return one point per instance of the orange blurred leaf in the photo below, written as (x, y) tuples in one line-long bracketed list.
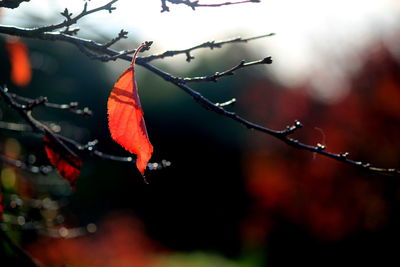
[(125, 117), (20, 64), (68, 164)]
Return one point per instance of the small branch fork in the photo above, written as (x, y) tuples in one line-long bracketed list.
[(210, 44), (25, 110), (196, 3), (70, 20), (43, 101), (104, 52)]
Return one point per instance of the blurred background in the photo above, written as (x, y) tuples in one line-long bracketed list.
[(232, 197)]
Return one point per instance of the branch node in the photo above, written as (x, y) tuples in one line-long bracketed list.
[(366, 165), (344, 155), (73, 104), (66, 14), (267, 60), (298, 124), (146, 46), (91, 145), (321, 146), (227, 103), (189, 57), (291, 129)]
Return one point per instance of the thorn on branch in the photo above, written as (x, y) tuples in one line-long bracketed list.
[(292, 128), (344, 155), (267, 60), (189, 57), (121, 35), (321, 146), (72, 31)]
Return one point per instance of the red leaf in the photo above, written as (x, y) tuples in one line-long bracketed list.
[(20, 65), (68, 164), (125, 117)]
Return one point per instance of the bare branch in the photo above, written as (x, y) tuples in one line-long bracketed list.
[(69, 20), (210, 44), (206, 103), (96, 50), (216, 76), (42, 101), (196, 3), (89, 148), (282, 135), (121, 35)]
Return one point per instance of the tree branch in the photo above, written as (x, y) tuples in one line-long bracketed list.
[(69, 20), (282, 135), (43, 101), (216, 76), (209, 44), (89, 148), (196, 3)]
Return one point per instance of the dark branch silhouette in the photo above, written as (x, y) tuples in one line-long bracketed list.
[(25, 110), (11, 3), (216, 76), (104, 53), (196, 3)]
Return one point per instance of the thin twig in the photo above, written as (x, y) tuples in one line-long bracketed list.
[(69, 20), (194, 4), (231, 71), (88, 45), (89, 148), (209, 44), (42, 101), (121, 35)]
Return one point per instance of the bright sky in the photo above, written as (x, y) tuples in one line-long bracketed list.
[(312, 35)]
